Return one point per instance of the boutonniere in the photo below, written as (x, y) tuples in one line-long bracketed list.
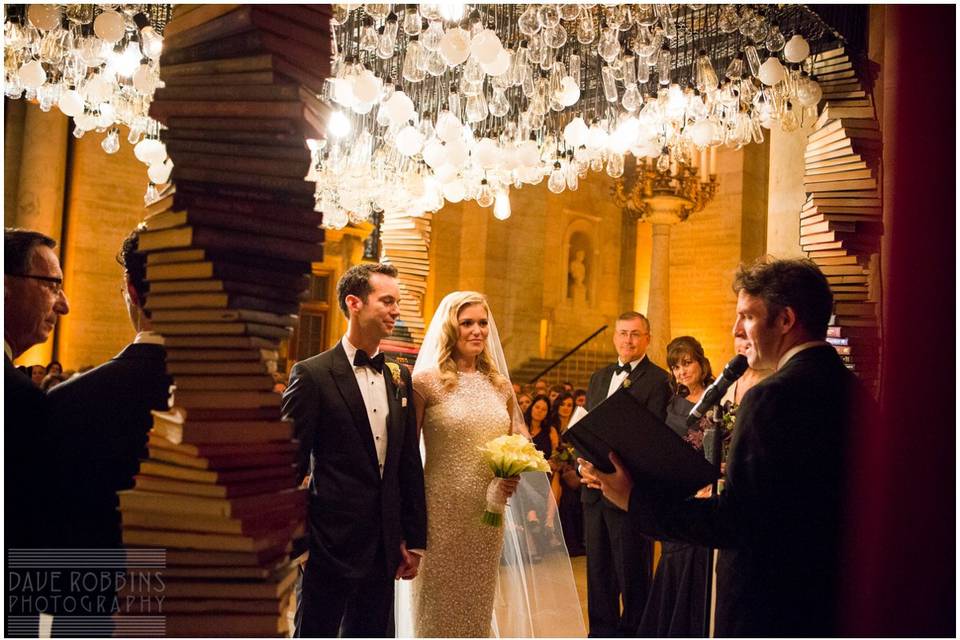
[(398, 383), (626, 383)]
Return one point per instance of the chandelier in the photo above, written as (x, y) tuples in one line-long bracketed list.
[(688, 187), (438, 103), (99, 64)]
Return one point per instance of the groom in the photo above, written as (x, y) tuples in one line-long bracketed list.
[(354, 417)]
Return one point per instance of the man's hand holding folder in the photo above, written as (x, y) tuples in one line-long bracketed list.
[(621, 444), (616, 486)]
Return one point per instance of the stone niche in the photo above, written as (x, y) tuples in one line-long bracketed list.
[(541, 303)]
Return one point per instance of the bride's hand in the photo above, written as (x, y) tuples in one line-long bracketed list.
[(508, 486)]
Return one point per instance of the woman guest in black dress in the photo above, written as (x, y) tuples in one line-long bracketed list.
[(566, 479), (676, 602), (546, 439)]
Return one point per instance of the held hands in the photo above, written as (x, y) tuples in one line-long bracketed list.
[(616, 486), (409, 564)]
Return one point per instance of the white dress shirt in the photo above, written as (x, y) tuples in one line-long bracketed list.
[(617, 380), (373, 388)]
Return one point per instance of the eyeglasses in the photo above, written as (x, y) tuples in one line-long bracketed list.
[(55, 283), (631, 334)]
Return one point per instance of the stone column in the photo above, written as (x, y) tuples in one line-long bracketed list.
[(664, 211)]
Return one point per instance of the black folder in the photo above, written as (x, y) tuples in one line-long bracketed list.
[(657, 458)]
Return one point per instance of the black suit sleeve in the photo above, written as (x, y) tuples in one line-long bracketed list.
[(301, 403), (659, 398), (413, 511), (752, 494)]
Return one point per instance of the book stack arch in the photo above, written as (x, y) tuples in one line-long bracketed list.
[(841, 221), (229, 248)]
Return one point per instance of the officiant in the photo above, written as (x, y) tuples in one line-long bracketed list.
[(778, 521)]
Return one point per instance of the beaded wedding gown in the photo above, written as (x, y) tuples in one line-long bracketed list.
[(475, 579), (454, 592)]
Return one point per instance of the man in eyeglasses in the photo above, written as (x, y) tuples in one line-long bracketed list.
[(33, 300), (620, 564), (32, 290)]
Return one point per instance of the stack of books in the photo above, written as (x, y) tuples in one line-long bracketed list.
[(841, 220), (229, 248), (406, 245)]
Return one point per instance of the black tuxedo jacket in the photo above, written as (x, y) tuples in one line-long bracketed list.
[(777, 522), (110, 406), (27, 440), (351, 509), (648, 383)]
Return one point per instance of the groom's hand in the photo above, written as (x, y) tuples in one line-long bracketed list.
[(409, 564)]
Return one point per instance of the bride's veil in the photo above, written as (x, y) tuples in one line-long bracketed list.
[(536, 593)]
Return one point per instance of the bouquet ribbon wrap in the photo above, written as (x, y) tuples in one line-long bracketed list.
[(507, 456)]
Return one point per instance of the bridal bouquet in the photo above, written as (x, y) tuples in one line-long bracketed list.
[(508, 457)]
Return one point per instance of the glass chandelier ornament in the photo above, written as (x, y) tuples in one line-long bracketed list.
[(436, 104), (98, 64)]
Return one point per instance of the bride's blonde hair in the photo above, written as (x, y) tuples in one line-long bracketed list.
[(448, 344)]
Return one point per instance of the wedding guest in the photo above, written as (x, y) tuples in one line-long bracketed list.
[(33, 301), (50, 381), (580, 397), (567, 386), (562, 409), (676, 603), (112, 404), (55, 367), (37, 373), (555, 391), (524, 399), (542, 431), (778, 522), (540, 387), (620, 565)]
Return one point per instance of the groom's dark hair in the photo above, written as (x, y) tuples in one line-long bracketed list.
[(355, 281)]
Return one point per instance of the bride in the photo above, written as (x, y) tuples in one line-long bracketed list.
[(476, 580)]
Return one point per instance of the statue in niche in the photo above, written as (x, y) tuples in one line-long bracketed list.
[(578, 278)]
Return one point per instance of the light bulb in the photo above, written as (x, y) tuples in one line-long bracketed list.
[(528, 22), (704, 75), (797, 49), (338, 125), (128, 61), (663, 65), (735, 68), (412, 23), (609, 45), (501, 207), (586, 31), (452, 11), (151, 43), (484, 194), (753, 59), (775, 40), (615, 165), (109, 26), (557, 182), (111, 142)]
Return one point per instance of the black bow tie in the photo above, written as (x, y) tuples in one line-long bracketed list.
[(361, 359), (623, 368)]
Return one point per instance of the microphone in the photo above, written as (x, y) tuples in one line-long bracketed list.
[(713, 394)]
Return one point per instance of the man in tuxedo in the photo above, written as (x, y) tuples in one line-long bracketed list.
[(619, 564), (111, 405), (778, 521), (33, 301), (357, 429)]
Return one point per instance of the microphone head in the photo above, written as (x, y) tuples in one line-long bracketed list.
[(736, 367)]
